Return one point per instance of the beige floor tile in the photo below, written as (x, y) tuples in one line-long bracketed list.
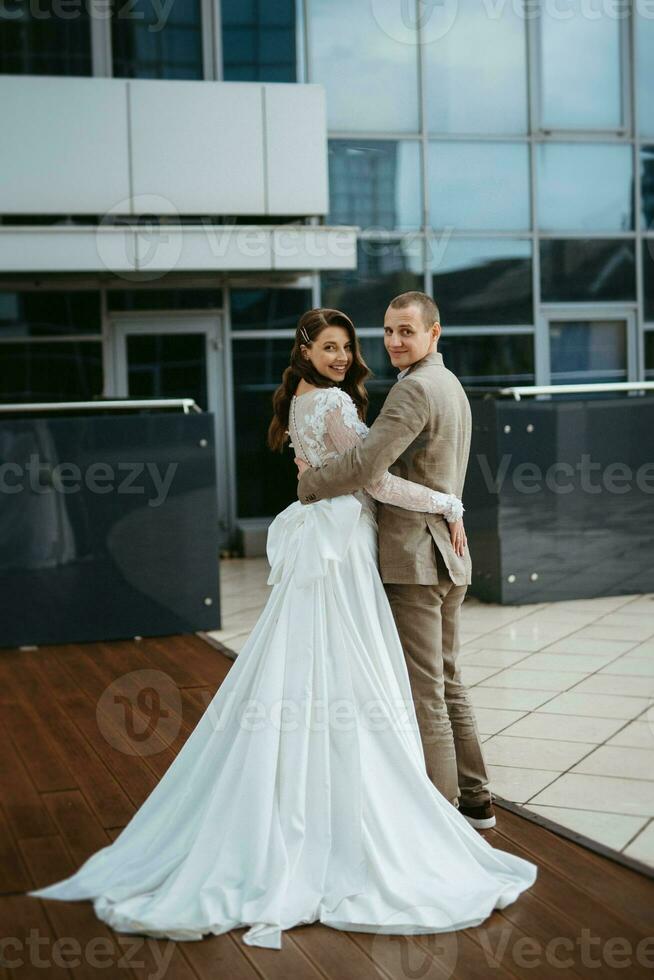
[(516, 784), (595, 705), (599, 606), (638, 734), (493, 720), (604, 793), (507, 697), (628, 666), (618, 684), (243, 620), (643, 605), (645, 649), (236, 643), (568, 728), (493, 658), (495, 641), (632, 631), (642, 847), (535, 753), (473, 674), (618, 760), (540, 680), (574, 644), (573, 662), (611, 829), (641, 628)]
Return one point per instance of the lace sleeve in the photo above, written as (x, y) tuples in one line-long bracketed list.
[(345, 429)]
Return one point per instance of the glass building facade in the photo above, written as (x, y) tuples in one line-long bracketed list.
[(499, 157)]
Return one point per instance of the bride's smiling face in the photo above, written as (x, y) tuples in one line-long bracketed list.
[(330, 353)]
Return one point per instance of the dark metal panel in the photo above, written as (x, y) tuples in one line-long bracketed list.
[(108, 527)]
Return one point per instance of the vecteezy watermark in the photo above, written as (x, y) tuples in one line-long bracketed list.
[(426, 21), (563, 477), (398, 948), (41, 10), (140, 713), (99, 953), (42, 476)]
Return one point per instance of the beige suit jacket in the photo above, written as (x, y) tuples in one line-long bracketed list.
[(423, 434)]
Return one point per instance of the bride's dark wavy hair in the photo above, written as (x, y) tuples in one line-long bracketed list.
[(310, 325)]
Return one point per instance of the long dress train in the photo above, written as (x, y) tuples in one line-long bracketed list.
[(302, 795)]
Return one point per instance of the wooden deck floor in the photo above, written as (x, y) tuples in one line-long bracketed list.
[(69, 782)]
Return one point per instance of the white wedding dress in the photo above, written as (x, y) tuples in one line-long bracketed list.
[(302, 795)]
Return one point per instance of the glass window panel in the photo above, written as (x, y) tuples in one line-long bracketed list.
[(168, 366), (268, 309), (148, 45), (587, 270), (259, 43), (580, 68), (44, 372), (489, 360), (588, 351), (482, 281), (375, 183), (266, 482), (585, 187), (384, 269), (644, 27), (649, 355), (647, 186), (476, 73), (164, 299), (648, 277), (359, 52), (477, 186), (49, 314), (37, 40)]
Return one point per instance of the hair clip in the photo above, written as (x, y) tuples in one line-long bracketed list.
[(305, 335)]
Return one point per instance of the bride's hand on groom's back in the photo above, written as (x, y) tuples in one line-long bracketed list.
[(302, 466), (458, 538)]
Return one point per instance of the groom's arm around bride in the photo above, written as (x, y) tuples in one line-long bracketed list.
[(423, 434)]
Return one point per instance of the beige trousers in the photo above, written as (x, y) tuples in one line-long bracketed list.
[(427, 619)]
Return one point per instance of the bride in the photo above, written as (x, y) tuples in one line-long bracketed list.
[(302, 795)]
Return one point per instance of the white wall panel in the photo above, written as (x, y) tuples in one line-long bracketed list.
[(296, 149)]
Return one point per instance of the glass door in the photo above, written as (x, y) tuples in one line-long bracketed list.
[(156, 355), (582, 346)]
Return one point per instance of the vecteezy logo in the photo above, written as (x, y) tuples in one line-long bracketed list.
[(415, 957), (415, 21), (140, 237), (140, 713)]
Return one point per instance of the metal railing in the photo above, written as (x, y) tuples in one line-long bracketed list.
[(186, 404), (521, 390)]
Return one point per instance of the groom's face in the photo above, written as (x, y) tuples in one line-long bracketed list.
[(406, 338)]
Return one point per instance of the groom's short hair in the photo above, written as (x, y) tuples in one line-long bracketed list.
[(425, 304)]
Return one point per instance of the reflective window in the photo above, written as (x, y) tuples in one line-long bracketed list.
[(367, 59), (258, 40), (49, 314), (384, 269), (580, 68), (157, 41), (586, 270), (588, 351), (168, 366), (482, 281), (644, 70), (649, 355), (164, 299), (44, 372), (37, 40), (585, 187), (268, 309), (490, 360), (476, 186), (648, 278), (476, 72), (266, 482), (375, 183), (647, 187)]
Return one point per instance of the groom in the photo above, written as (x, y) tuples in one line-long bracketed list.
[(423, 434)]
